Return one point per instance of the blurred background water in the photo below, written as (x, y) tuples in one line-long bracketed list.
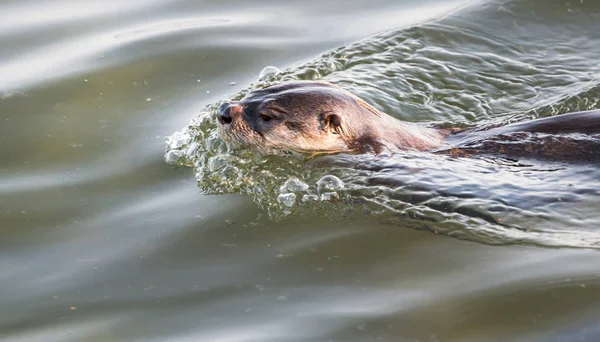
[(101, 240)]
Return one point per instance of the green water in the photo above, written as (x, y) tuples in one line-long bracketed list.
[(102, 240)]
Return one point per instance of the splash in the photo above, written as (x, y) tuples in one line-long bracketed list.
[(437, 74)]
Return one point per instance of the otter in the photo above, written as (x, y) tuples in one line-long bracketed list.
[(320, 117)]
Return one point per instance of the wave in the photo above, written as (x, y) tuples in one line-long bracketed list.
[(470, 68)]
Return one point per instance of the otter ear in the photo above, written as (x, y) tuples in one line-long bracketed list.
[(331, 122)]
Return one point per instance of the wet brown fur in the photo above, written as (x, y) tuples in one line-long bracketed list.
[(319, 117)]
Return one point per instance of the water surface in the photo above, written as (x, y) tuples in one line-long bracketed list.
[(101, 240)]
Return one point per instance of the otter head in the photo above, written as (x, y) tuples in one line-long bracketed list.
[(304, 116)]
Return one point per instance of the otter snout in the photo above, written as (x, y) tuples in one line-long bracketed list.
[(224, 114)]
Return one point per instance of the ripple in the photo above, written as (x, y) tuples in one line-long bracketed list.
[(451, 72), (176, 25), (67, 58), (20, 17)]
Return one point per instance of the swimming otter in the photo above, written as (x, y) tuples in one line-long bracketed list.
[(320, 117)]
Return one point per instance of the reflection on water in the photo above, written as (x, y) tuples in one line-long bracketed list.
[(101, 240)]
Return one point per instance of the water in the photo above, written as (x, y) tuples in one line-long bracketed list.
[(101, 240)]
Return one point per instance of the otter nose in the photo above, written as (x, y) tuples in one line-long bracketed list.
[(224, 116)]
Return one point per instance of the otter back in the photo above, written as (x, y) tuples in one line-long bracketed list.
[(567, 137)]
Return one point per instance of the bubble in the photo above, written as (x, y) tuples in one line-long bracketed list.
[(154, 217), (287, 199), (329, 183), (268, 71), (329, 196), (178, 140), (310, 198), (73, 176), (192, 149), (293, 185), (172, 157)]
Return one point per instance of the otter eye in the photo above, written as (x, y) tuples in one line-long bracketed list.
[(265, 117)]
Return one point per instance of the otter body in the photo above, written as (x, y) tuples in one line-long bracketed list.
[(319, 117)]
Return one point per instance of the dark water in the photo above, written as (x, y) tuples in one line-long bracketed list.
[(101, 240)]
